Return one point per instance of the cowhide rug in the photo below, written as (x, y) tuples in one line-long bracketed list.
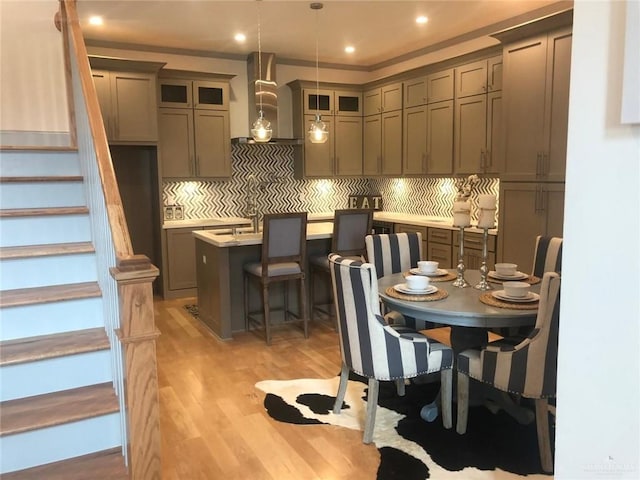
[(494, 447)]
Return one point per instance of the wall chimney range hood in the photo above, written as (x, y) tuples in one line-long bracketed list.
[(267, 91)]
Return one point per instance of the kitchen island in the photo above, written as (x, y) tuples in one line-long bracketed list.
[(219, 271)]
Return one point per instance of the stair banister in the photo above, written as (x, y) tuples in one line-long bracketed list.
[(124, 277)]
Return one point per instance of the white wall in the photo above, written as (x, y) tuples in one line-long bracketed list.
[(598, 431), (29, 45)]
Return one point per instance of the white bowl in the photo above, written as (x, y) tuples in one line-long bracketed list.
[(427, 266), (506, 268), (516, 289), (417, 282)]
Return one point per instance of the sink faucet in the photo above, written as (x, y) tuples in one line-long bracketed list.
[(253, 185)]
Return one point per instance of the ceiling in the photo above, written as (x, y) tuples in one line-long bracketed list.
[(380, 31)]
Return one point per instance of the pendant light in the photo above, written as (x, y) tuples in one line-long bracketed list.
[(318, 132), (261, 129)]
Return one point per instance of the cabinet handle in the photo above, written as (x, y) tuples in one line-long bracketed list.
[(543, 199), (538, 164), (482, 159), (545, 163), (487, 159), (197, 165)]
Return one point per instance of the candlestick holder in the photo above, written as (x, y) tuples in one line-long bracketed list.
[(483, 284), (460, 281)]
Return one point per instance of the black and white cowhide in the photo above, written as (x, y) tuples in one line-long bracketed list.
[(494, 447)]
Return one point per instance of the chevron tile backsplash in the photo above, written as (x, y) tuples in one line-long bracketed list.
[(278, 191)]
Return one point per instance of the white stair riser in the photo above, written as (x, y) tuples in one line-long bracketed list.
[(55, 374), (42, 195), (49, 270), (42, 164), (47, 318), (28, 449), (45, 230)]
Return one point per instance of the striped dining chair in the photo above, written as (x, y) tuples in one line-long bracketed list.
[(375, 350), (394, 252), (527, 369), (547, 255)]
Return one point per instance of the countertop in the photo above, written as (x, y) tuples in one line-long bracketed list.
[(207, 222), (315, 231), (321, 217)]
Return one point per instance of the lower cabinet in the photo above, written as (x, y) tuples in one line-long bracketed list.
[(181, 256), (472, 255), (526, 211), (439, 247)]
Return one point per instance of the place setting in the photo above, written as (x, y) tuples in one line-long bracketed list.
[(429, 268), (509, 272), (514, 295), (416, 288)]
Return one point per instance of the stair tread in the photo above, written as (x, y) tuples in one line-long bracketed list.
[(35, 212), (49, 178), (31, 349), (54, 293), (106, 464), (45, 250), (57, 408)]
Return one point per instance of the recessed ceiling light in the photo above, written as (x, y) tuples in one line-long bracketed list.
[(422, 20), (240, 37), (349, 49), (95, 20)]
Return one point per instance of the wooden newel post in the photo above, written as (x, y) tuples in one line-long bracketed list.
[(137, 335)]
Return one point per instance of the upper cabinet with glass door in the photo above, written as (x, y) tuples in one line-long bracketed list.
[(332, 102), (198, 94)]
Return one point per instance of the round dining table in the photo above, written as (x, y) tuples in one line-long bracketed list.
[(461, 308), (469, 319)]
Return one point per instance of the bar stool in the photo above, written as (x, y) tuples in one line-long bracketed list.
[(284, 240), (350, 226)]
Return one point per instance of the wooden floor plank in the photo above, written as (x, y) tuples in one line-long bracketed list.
[(47, 179), (38, 212), (211, 383)]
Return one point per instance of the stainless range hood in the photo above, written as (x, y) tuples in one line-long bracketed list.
[(276, 141), (262, 86)]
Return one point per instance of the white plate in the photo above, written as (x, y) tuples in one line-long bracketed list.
[(438, 273), (517, 276), (501, 295), (403, 288)]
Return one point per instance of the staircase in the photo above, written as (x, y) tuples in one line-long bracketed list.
[(60, 416)]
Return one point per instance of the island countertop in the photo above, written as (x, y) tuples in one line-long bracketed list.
[(315, 231)]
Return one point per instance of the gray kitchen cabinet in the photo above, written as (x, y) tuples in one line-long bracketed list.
[(536, 100), (181, 256), (440, 86), (382, 144), (332, 102), (440, 138), (527, 209), (415, 92), (341, 110), (387, 98), (128, 104), (195, 140), (415, 146), (479, 77), (472, 255), (439, 246)]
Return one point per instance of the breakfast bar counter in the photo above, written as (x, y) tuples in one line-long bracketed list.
[(219, 264)]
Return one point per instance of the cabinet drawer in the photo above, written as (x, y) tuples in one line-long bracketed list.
[(402, 228), (440, 253), (439, 235), (474, 240)]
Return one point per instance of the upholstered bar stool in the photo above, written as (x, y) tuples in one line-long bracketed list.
[(284, 240), (350, 226)]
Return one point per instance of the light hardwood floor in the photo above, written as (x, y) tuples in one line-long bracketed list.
[(213, 422)]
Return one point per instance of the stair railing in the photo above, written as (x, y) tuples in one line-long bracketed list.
[(125, 278)]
